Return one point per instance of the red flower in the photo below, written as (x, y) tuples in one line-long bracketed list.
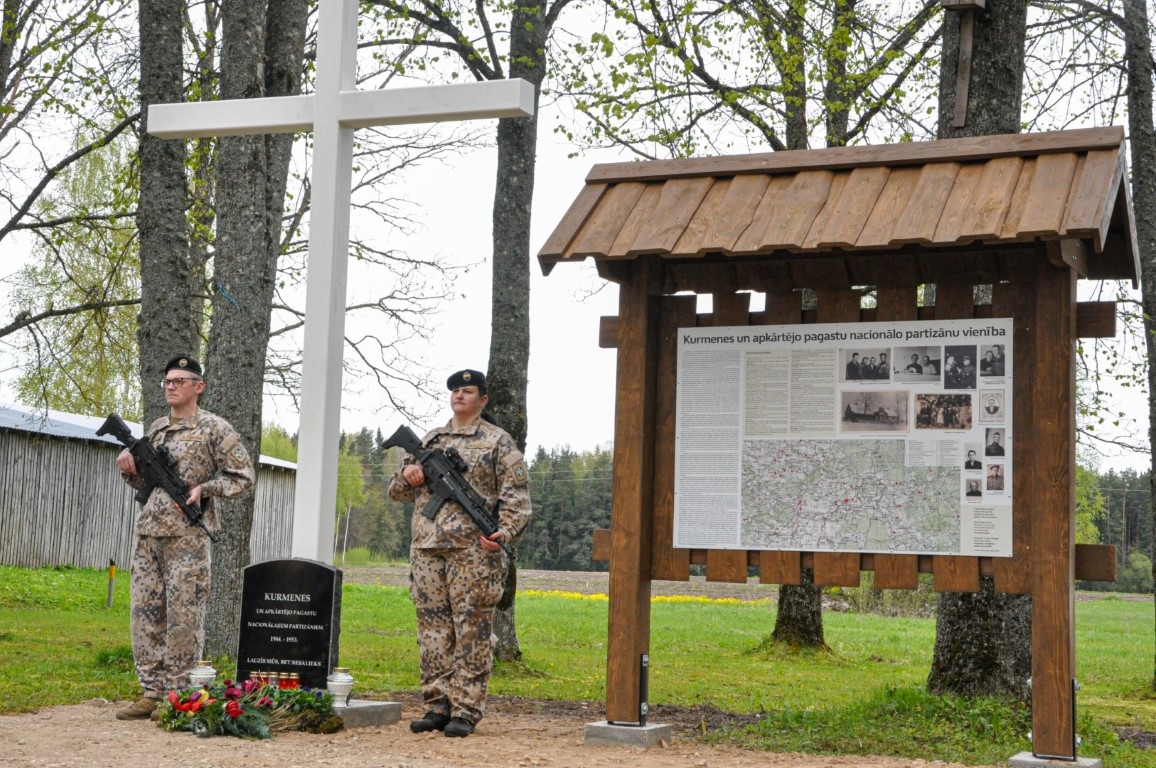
[(233, 709)]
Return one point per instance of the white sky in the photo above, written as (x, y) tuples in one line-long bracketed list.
[(571, 380)]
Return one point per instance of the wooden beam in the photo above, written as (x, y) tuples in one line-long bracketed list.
[(1094, 562), (1017, 299), (601, 545), (1070, 252), (897, 303), (836, 569), (608, 332), (1096, 320), (628, 635), (667, 562), (728, 564), (963, 67), (969, 149), (1053, 449)]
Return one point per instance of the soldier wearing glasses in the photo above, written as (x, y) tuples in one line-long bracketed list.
[(170, 563)]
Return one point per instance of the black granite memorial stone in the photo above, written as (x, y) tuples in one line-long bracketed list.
[(290, 619)]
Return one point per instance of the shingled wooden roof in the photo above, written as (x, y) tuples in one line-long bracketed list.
[(1001, 191)]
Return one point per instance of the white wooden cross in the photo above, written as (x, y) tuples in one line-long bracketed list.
[(332, 112)]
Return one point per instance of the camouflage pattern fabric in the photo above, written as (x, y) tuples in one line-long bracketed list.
[(170, 591), (208, 453), (456, 584), (496, 470), (171, 558), (455, 591)]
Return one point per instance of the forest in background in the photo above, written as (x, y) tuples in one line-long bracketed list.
[(571, 493)]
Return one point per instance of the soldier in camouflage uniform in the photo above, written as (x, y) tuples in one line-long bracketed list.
[(171, 557), (456, 574)]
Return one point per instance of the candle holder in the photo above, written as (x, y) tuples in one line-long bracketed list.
[(202, 675), (340, 684)]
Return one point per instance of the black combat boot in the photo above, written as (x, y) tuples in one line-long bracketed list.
[(430, 721), (459, 727)]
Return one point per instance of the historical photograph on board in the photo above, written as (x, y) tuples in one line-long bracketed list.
[(995, 477), (991, 361), (991, 406), (959, 369), (942, 411), (917, 364), (973, 490), (971, 462), (874, 411), (866, 364), (994, 442)]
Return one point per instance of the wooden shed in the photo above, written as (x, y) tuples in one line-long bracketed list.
[(64, 503), (1028, 215)]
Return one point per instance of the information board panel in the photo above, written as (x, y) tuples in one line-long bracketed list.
[(846, 437)]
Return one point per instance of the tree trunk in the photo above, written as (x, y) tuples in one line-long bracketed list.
[(1142, 140), (165, 327), (799, 618), (510, 312), (799, 621), (250, 198), (983, 640), (982, 644), (795, 81), (837, 91)]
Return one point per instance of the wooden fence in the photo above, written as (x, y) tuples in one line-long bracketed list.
[(63, 503)]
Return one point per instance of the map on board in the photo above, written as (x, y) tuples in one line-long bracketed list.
[(846, 495)]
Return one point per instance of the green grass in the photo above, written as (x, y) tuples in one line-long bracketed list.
[(60, 645)]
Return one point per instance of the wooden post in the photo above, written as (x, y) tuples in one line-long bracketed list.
[(628, 635), (1052, 541)]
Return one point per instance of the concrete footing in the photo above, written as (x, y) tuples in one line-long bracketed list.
[(362, 713), (644, 736), (1028, 760)]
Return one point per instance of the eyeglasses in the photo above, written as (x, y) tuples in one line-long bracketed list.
[(176, 383)]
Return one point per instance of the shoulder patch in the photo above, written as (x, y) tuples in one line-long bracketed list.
[(238, 455), (515, 467)]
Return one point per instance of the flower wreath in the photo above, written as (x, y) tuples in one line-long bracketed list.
[(251, 710)]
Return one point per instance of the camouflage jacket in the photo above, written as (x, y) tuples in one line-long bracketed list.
[(496, 470), (208, 453)]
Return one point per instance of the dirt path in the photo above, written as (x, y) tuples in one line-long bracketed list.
[(513, 734)]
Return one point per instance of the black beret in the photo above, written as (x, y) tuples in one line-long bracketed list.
[(184, 363), (467, 378)]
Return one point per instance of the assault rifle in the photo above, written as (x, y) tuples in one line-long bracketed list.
[(443, 474), (157, 467)]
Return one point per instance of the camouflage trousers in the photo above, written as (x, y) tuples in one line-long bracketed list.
[(170, 593), (455, 592)]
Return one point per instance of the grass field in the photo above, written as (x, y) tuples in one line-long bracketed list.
[(60, 645)]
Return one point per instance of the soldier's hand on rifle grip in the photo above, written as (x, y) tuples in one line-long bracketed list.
[(413, 474), (125, 462), (195, 495), (492, 544)]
